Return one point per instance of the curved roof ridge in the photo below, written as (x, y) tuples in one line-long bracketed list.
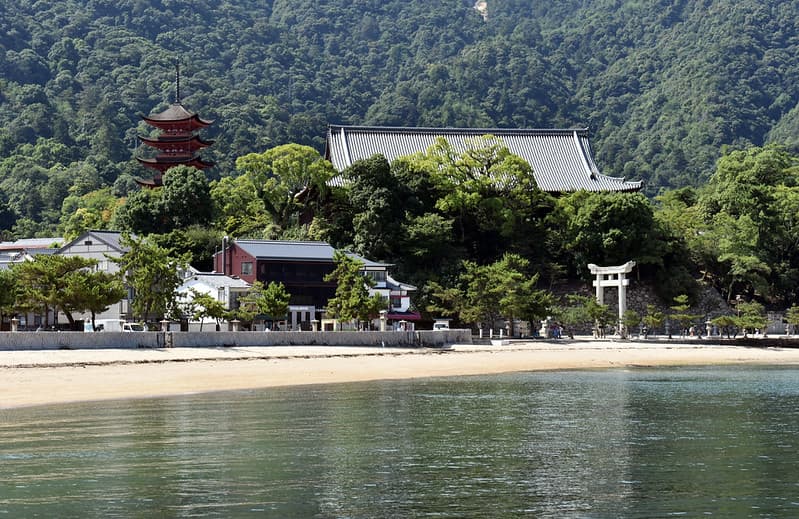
[(176, 112), (561, 159), (454, 130)]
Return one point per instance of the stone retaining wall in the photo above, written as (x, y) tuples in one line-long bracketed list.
[(120, 340)]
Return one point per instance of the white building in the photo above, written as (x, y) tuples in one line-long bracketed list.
[(100, 246), (18, 252), (225, 289)]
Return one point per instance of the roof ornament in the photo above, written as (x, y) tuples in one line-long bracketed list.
[(177, 82)]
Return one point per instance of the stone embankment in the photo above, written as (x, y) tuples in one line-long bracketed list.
[(119, 340)]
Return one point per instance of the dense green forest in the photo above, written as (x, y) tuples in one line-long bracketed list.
[(662, 84), (695, 98)]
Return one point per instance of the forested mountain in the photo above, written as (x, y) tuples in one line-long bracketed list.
[(662, 84)]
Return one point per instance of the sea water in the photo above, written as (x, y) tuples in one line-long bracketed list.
[(692, 442)]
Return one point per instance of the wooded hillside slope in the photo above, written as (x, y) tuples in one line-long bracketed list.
[(662, 84)]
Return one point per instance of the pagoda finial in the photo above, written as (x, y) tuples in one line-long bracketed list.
[(177, 82)]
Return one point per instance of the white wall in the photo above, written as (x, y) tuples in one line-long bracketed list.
[(122, 340)]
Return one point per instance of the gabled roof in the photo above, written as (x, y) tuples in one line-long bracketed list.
[(109, 238), (561, 159), (317, 251)]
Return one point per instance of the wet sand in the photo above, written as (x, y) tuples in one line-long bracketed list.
[(58, 376)]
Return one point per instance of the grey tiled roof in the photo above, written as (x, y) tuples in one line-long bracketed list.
[(110, 238), (287, 250), (561, 159), (297, 251)]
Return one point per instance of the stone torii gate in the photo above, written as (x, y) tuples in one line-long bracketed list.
[(613, 277)]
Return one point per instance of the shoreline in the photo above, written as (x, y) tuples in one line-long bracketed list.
[(48, 377)]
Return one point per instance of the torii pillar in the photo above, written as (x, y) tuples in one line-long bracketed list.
[(613, 277)]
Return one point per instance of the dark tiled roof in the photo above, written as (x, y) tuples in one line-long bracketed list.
[(176, 112), (169, 161), (150, 182), (165, 139), (297, 251), (561, 159)]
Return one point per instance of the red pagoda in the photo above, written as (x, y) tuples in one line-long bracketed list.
[(179, 141)]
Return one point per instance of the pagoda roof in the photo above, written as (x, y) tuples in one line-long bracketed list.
[(176, 113), (561, 158), (150, 182), (164, 140), (163, 163)]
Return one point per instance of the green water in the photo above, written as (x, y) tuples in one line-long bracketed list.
[(641, 443)]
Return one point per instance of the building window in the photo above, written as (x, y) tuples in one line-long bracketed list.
[(377, 275), (246, 268), (396, 302)]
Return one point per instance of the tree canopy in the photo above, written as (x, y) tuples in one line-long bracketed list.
[(64, 283), (153, 273), (663, 86), (352, 300), (696, 99), (289, 179)]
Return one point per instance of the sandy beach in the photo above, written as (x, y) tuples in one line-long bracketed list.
[(59, 376)]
